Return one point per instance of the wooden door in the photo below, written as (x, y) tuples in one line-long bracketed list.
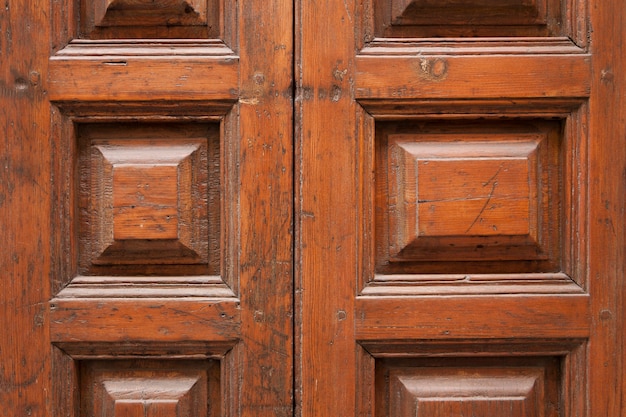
[(146, 205), (460, 193), (459, 197)]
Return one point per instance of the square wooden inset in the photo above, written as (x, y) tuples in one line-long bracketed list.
[(469, 386), (150, 18), (469, 193), (150, 388), (453, 18), (144, 195)]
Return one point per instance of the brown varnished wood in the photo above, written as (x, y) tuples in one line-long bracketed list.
[(607, 219), (439, 76), (149, 195), (159, 19), (151, 388), (183, 319), (326, 200), (261, 365), (153, 205), (490, 386), (478, 18), (467, 303), (25, 208), (194, 319), (88, 71), (467, 317), (484, 191)]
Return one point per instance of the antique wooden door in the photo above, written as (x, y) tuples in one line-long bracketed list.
[(275, 208), (461, 196), (147, 208)]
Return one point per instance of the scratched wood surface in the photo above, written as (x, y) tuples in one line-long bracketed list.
[(448, 207), (369, 339), (146, 195)]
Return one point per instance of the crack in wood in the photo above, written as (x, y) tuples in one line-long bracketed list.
[(494, 184)]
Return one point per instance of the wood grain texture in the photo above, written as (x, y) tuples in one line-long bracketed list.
[(435, 80), (262, 194), (461, 317), (160, 19), (327, 205), (159, 320), (475, 18), (26, 210), (569, 323), (471, 12), (165, 88), (149, 194), (473, 386), (453, 191), (90, 71), (448, 77), (149, 388), (607, 218)]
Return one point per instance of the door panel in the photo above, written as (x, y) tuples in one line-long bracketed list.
[(168, 269), (163, 133), (459, 197), (446, 237)]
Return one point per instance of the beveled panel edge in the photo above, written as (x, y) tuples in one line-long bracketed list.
[(495, 347), (110, 111), (467, 284), (421, 230), (144, 47), (418, 108), (571, 352), (573, 114), (149, 142), (208, 286), (569, 20), (470, 46), (409, 12), (79, 350)]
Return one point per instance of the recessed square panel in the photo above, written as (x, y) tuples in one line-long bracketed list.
[(149, 196), (452, 192), (462, 191), (474, 387), (150, 19), (143, 388), (453, 18)]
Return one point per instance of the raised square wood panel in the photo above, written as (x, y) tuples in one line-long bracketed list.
[(160, 135), (122, 19), (149, 195), (144, 388), (341, 93), (490, 115), (433, 157), (478, 387), (453, 192), (471, 18)]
